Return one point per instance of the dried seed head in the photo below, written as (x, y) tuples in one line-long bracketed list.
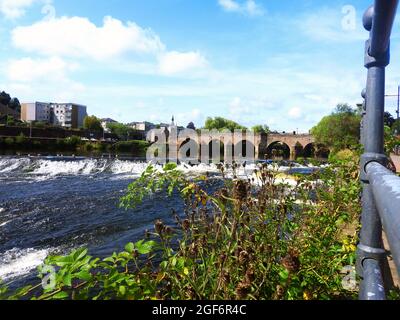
[(250, 275), (186, 224), (169, 231), (243, 257), (159, 226), (191, 294), (291, 262), (225, 278), (242, 290), (240, 190), (280, 291)]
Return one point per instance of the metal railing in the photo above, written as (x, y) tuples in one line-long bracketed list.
[(381, 187)]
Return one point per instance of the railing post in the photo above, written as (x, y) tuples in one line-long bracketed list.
[(370, 249)]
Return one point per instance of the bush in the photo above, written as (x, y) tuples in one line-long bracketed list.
[(344, 155), (9, 141), (136, 147), (21, 140)]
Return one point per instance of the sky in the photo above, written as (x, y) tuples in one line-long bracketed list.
[(284, 64)]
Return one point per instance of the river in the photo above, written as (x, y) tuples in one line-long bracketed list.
[(50, 206)]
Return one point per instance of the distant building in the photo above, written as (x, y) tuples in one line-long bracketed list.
[(105, 122), (69, 115), (36, 111), (142, 126)]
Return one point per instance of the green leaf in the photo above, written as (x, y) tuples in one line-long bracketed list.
[(79, 254), (130, 247), (122, 290), (284, 274), (145, 247), (67, 280), (84, 275), (60, 295)]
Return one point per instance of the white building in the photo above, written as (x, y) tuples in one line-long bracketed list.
[(69, 115)]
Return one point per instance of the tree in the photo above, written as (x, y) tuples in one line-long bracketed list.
[(15, 105), (260, 129), (123, 132), (220, 124), (5, 98), (191, 126), (92, 123), (396, 127), (388, 119), (340, 130)]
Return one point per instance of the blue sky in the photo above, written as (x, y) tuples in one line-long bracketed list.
[(281, 63)]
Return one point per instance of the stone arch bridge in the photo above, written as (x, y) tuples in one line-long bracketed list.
[(262, 143)]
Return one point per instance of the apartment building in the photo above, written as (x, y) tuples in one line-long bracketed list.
[(36, 111), (69, 115)]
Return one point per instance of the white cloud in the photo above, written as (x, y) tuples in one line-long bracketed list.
[(295, 113), (79, 37), (327, 25), (249, 7), (13, 9), (173, 62), (28, 69)]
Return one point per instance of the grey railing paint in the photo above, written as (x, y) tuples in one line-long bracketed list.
[(381, 188)]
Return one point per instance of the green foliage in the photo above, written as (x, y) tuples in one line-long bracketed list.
[(9, 141), (340, 130), (391, 141), (121, 130), (92, 123), (396, 127), (10, 121), (241, 242), (73, 141), (220, 124), (21, 139), (260, 129), (344, 156), (136, 147)]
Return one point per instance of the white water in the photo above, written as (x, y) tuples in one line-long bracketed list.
[(16, 262), (44, 169)]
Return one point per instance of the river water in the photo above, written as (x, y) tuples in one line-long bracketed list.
[(50, 206)]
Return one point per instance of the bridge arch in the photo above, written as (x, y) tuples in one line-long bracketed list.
[(279, 149)]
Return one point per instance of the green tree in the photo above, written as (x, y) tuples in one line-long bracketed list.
[(124, 132), (396, 127), (260, 129), (92, 123), (220, 124), (389, 120), (340, 130), (5, 98)]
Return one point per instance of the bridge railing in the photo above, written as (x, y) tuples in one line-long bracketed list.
[(381, 187)]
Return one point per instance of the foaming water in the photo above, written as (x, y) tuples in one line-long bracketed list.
[(16, 262)]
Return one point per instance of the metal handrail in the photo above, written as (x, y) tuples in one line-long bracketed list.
[(381, 188), (386, 190)]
